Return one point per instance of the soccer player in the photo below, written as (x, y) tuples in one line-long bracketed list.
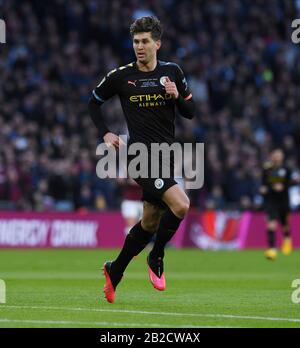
[(275, 185), (149, 90)]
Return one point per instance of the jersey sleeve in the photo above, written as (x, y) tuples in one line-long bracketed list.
[(264, 180), (289, 177), (182, 85), (107, 88)]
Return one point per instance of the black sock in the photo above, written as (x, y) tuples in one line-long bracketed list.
[(135, 242), (271, 238), (169, 224)]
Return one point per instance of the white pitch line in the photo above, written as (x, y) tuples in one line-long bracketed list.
[(227, 316), (99, 323), (67, 322)]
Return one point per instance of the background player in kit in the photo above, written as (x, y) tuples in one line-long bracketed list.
[(275, 186), (149, 92)]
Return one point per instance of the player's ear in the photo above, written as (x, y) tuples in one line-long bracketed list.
[(158, 44)]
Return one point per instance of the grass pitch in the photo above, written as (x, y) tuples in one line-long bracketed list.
[(63, 288)]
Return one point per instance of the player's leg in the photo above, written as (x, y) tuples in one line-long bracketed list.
[(178, 205), (286, 247), (271, 252), (151, 217), (136, 240), (138, 237), (272, 213)]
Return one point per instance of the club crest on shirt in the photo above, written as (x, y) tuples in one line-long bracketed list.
[(159, 183), (163, 80)]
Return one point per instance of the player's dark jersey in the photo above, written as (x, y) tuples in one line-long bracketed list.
[(148, 110), (273, 175)]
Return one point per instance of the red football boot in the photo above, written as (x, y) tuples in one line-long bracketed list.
[(156, 273)]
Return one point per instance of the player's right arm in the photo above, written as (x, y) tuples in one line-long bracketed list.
[(264, 185), (106, 89)]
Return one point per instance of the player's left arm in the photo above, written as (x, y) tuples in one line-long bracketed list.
[(183, 96)]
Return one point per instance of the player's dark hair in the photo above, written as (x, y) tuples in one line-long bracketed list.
[(276, 148), (145, 25)]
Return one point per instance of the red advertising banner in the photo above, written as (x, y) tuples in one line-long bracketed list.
[(232, 230), (252, 231), (206, 230), (61, 230), (211, 230)]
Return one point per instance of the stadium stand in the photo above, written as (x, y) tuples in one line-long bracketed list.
[(238, 57)]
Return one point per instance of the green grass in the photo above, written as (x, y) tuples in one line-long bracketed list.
[(63, 288)]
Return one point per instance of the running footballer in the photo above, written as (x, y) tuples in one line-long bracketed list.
[(149, 90)]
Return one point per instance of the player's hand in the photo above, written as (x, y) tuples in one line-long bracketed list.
[(278, 187), (171, 88), (112, 139)]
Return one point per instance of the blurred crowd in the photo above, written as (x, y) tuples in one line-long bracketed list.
[(239, 60)]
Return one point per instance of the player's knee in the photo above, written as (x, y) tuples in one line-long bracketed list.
[(181, 208)]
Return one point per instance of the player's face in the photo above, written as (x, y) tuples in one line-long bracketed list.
[(277, 157), (145, 47)]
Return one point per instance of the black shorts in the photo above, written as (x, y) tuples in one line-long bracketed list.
[(278, 210), (154, 188)]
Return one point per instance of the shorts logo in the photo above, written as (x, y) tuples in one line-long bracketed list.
[(159, 183), (163, 80)]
